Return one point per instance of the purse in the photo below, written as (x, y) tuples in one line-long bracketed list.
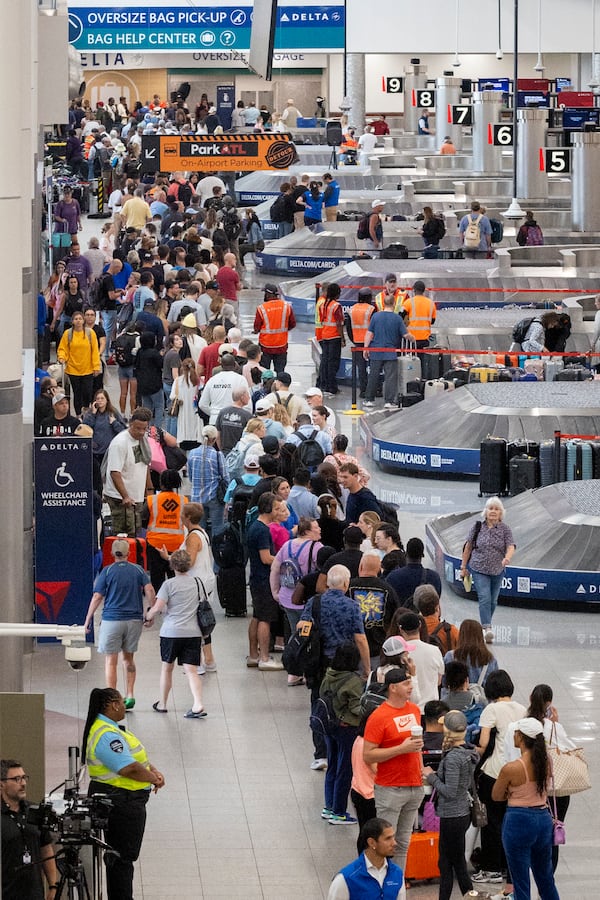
[(175, 458), (479, 816), (204, 613), (176, 404), (570, 771), (559, 835), (158, 462), (430, 818)]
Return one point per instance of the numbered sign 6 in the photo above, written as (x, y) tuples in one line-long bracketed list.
[(558, 160), (460, 115), (425, 99), (502, 136)]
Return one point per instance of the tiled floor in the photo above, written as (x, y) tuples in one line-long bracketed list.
[(239, 816)]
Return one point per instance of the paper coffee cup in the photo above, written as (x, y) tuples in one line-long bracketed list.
[(416, 731)]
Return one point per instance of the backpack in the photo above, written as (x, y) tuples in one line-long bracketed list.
[(309, 453), (96, 294), (185, 311), (323, 717), (472, 237), (438, 642), (231, 225), (228, 548), (124, 315), (88, 334), (285, 402), (374, 694), (235, 460), (535, 238), (277, 210), (520, 330), (362, 232), (219, 238), (184, 194), (290, 572), (302, 653), (388, 513), (497, 230), (125, 348), (441, 226)]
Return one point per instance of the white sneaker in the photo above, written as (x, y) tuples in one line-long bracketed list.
[(488, 634), (201, 670), (317, 765), (270, 665), (369, 403), (390, 406), (210, 667)]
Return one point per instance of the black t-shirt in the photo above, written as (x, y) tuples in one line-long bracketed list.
[(261, 487), (53, 427), (108, 285), (349, 558), (21, 881), (148, 371), (378, 603), (230, 423)]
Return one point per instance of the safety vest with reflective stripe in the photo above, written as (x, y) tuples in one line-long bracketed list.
[(165, 525), (328, 325), (421, 313), (318, 325), (99, 772), (274, 332), (360, 316), (399, 298)]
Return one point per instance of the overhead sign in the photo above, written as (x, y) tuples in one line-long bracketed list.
[(576, 98), (556, 160), (460, 115), (500, 135), (392, 84), (216, 152), (65, 540), (425, 99), (182, 28)]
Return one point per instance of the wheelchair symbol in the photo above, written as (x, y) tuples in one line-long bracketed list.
[(62, 478)]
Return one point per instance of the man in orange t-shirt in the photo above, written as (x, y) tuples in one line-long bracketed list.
[(390, 744)]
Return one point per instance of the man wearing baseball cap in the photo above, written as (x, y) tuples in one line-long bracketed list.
[(390, 288), (123, 587), (273, 321), (394, 740), (375, 239)]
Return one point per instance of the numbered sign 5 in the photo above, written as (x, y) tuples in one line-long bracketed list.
[(392, 84), (502, 136), (424, 99), (460, 115), (557, 159)]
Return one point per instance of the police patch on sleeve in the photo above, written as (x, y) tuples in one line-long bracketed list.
[(116, 746)]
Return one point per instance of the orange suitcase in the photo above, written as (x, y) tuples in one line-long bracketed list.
[(137, 550), (422, 859)]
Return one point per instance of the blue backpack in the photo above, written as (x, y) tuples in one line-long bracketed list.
[(290, 572)]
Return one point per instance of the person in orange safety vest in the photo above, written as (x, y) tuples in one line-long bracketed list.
[(357, 322), (273, 320)]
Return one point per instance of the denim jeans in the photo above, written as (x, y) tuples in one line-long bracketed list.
[(293, 616), (527, 839), (213, 520), (399, 806), (338, 777), (156, 403), (488, 588), (109, 321), (169, 422)]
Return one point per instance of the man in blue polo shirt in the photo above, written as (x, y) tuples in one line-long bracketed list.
[(123, 587), (373, 874), (386, 329)]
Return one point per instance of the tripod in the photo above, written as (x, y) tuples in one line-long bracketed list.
[(73, 884), (333, 161)]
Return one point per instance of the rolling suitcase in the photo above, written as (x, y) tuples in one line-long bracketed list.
[(482, 374), (410, 399), (492, 466), (552, 367), (595, 448), (546, 463), (422, 857), (231, 590), (457, 376), (536, 366), (573, 373), (409, 365), (522, 448), (522, 474), (416, 387), (435, 365), (137, 550)]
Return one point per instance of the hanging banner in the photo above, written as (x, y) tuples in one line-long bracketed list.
[(225, 103), (216, 152), (65, 540)]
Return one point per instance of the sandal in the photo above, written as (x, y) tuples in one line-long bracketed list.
[(156, 709)]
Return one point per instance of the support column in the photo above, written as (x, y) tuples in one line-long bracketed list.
[(355, 85), (486, 113), (532, 184), (447, 93), (585, 181), (415, 79)]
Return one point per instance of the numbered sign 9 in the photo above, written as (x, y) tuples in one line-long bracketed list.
[(425, 99), (557, 160), (460, 115), (392, 84), (501, 136)]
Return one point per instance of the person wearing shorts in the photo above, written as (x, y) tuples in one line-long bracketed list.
[(265, 608), (180, 635), (123, 587)]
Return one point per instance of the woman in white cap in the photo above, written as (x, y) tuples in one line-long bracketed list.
[(184, 393), (453, 805), (527, 826)]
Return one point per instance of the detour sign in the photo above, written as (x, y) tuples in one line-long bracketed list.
[(216, 152)]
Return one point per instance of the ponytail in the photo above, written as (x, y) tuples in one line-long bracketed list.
[(539, 760), (99, 700)]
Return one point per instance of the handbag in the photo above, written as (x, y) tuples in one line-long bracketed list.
[(158, 461), (479, 816), (570, 771), (559, 835), (175, 458), (430, 819), (176, 403), (204, 613)]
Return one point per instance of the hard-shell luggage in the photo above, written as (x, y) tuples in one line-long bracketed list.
[(546, 463), (552, 367), (522, 474), (416, 387), (510, 373), (137, 550), (595, 447), (410, 399), (434, 388), (580, 462), (492, 466), (409, 364), (394, 251), (422, 858), (434, 365), (482, 374), (522, 448), (458, 376), (231, 590), (573, 373)]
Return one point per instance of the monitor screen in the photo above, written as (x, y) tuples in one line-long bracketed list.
[(532, 98), (576, 118), (563, 84), (493, 84)]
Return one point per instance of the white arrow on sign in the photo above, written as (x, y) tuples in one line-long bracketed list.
[(150, 154)]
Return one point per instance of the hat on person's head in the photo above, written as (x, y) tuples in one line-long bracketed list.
[(209, 431), (313, 392), (377, 203), (251, 462), (409, 622), (149, 301), (529, 726), (262, 406), (454, 721), (120, 548), (268, 375), (270, 444), (212, 285), (189, 321), (396, 675), (146, 255), (84, 431), (58, 397), (353, 535), (284, 378), (395, 645), (271, 288), (391, 276), (226, 348)]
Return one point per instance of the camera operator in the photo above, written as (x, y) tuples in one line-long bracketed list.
[(118, 767), (27, 852)]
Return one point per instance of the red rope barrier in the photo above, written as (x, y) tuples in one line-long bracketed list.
[(475, 290), (413, 351)]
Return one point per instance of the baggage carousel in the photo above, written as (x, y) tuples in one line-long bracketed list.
[(442, 434), (556, 530)]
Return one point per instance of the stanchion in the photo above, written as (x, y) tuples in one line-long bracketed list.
[(354, 410)]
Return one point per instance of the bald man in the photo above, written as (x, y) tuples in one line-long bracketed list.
[(377, 600)]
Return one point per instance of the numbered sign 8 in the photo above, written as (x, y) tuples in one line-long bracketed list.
[(425, 99)]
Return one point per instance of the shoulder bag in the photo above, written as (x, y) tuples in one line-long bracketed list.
[(175, 458), (176, 403), (479, 816), (559, 835), (570, 771), (204, 613)]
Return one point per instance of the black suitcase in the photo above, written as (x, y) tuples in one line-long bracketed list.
[(416, 387), (410, 399), (595, 445), (522, 448), (434, 365), (573, 373), (458, 376), (522, 474), (231, 589), (492, 466), (394, 251)]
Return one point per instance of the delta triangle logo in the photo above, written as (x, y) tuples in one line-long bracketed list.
[(49, 598)]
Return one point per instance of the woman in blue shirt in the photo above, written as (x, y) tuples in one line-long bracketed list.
[(313, 204)]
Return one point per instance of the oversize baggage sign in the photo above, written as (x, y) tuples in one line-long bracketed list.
[(217, 152)]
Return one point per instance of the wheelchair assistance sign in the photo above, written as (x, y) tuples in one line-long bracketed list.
[(155, 27)]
